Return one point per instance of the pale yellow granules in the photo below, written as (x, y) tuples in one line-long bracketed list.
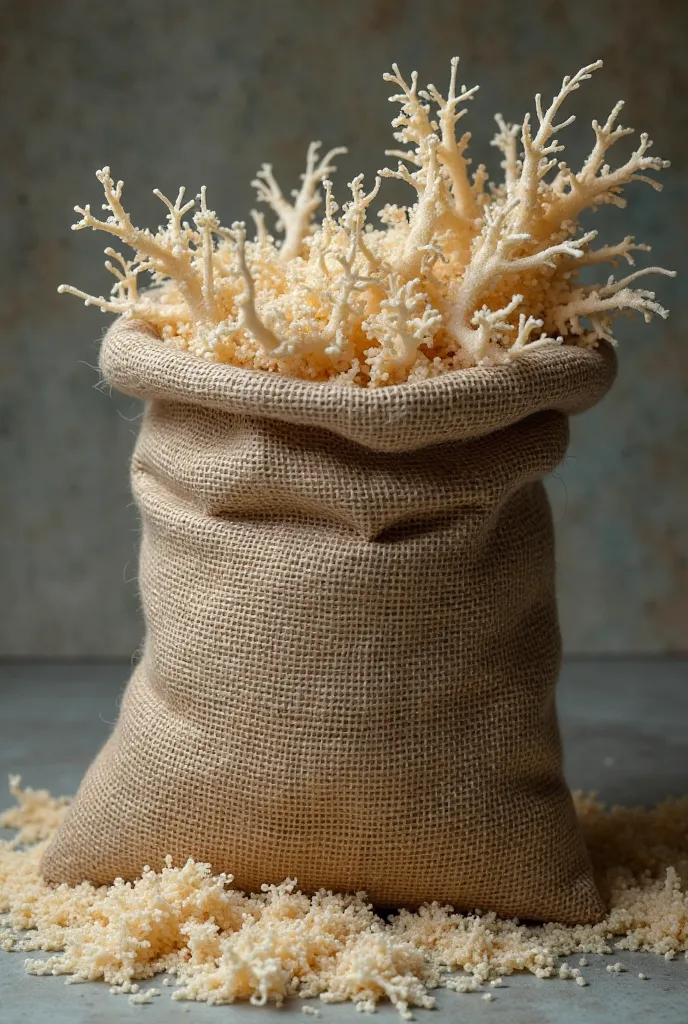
[(223, 946), (36, 815)]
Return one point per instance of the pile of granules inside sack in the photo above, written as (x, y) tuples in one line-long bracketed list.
[(217, 945)]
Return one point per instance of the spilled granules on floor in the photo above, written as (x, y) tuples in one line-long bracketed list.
[(221, 946)]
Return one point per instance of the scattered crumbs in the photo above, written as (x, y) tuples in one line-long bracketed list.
[(463, 983), (36, 816), (118, 989), (615, 968), (140, 999), (310, 1010), (643, 977), (488, 997), (198, 928)]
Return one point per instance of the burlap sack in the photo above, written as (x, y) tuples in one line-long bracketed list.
[(352, 641)]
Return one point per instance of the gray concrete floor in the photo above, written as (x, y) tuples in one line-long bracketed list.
[(625, 727)]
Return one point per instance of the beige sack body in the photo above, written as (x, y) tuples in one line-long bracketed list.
[(352, 640)]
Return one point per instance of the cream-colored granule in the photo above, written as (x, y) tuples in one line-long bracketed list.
[(221, 945), (142, 998), (471, 272), (36, 815)]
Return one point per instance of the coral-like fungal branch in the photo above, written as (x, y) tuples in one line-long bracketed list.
[(175, 212), (539, 150), (122, 307), (450, 152), (613, 253), (248, 315), (424, 222), (348, 278), (258, 219), (495, 257), (295, 218), (496, 326), (404, 322), (125, 299), (413, 124), (506, 139), (596, 184), (523, 343), (354, 216), (167, 254), (595, 304), (126, 273), (417, 128), (207, 223), (471, 271)]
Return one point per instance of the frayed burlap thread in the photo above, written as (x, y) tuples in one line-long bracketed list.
[(352, 640)]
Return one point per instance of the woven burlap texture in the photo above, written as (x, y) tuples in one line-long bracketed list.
[(351, 636)]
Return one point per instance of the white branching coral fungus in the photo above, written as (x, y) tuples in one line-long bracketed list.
[(472, 272)]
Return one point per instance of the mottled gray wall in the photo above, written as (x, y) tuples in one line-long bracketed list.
[(173, 92)]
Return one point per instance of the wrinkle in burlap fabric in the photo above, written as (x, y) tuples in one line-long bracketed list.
[(352, 641)]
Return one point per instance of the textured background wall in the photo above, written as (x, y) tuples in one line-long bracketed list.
[(172, 92)]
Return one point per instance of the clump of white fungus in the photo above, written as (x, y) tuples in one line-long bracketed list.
[(471, 272), (221, 946)]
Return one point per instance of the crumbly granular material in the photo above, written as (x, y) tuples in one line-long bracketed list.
[(221, 946), (352, 638)]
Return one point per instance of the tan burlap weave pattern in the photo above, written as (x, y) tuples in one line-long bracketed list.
[(352, 640)]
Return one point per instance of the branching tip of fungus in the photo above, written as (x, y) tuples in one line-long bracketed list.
[(295, 218), (249, 319)]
